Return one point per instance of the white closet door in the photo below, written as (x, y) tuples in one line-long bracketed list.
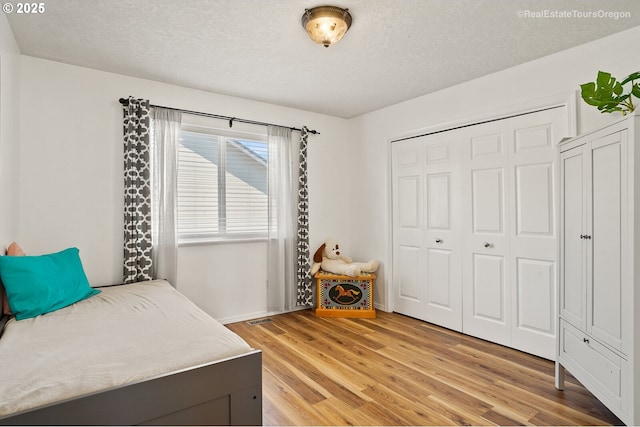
[(510, 235), (484, 198), (426, 217), (486, 290), (408, 227), (533, 232), (442, 245)]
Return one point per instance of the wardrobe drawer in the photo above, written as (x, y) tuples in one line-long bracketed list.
[(591, 362)]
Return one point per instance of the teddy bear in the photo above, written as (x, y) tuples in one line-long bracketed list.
[(329, 258)]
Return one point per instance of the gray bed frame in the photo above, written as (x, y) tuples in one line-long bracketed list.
[(225, 392)]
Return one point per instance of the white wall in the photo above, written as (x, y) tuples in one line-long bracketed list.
[(9, 134), (226, 280), (71, 162), (72, 185), (556, 74)]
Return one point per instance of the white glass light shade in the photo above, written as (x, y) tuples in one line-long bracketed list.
[(326, 25)]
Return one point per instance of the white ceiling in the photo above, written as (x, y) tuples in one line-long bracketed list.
[(257, 49)]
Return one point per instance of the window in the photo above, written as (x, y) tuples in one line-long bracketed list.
[(222, 185)]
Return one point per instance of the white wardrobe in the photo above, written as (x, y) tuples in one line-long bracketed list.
[(599, 322), (474, 229)]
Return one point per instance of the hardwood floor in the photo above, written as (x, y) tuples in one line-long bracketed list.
[(395, 370)]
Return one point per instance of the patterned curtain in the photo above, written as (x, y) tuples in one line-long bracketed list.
[(305, 288), (137, 192)]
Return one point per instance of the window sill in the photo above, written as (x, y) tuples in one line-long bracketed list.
[(214, 241)]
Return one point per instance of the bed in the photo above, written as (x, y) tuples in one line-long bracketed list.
[(132, 354)]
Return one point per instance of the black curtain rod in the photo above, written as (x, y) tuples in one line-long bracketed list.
[(125, 102)]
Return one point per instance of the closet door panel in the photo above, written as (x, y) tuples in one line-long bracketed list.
[(489, 288), (531, 138), (536, 288), (438, 187), (439, 279), (533, 231), (486, 144), (426, 217), (409, 281), (534, 200), (408, 224), (485, 254), (488, 201), (443, 282), (408, 202)]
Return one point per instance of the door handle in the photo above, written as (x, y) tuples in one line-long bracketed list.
[(438, 240), (487, 245)]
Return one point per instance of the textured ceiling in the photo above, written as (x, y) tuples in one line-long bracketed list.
[(257, 49)]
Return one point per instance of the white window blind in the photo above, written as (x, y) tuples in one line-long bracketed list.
[(222, 187)]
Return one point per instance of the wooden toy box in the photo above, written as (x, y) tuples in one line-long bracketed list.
[(345, 296)]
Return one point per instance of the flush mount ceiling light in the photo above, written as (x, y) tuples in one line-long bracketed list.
[(326, 25)]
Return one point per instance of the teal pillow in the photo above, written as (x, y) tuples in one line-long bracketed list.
[(42, 284)]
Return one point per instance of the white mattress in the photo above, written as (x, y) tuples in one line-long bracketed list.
[(123, 335)]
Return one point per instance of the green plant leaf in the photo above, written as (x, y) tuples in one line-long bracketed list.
[(588, 91), (607, 94), (631, 77), (610, 108), (617, 87), (588, 88), (593, 95), (597, 96), (604, 79)]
